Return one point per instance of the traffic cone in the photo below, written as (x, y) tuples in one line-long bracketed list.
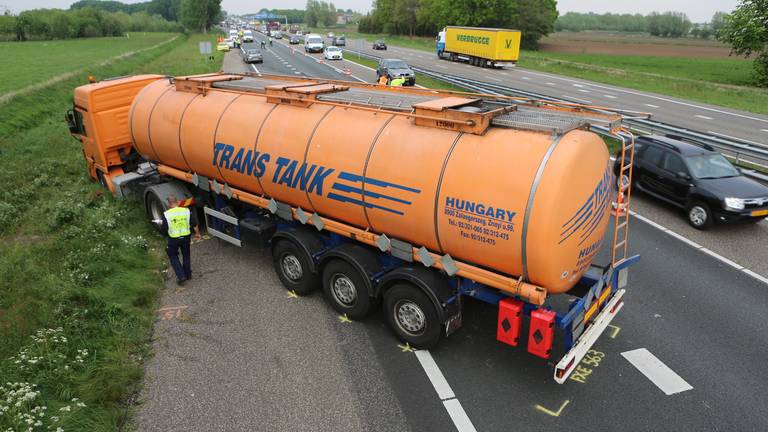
[(619, 207)]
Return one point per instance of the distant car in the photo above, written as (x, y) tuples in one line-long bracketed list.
[(339, 41), (294, 40), (252, 55), (299, 33), (696, 178), (333, 53), (222, 46), (379, 45), (247, 36), (330, 35), (277, 35), (393, 68)]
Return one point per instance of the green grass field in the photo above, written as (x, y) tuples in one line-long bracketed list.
[(81, 270), (724, 82), (35, 62)]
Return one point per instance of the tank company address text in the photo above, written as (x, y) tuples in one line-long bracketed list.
[(478, 221)]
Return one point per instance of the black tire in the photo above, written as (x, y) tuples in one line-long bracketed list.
[(412, 316), (102, 179), (345, 290), (699, 215), (292, 267), (155, 208)]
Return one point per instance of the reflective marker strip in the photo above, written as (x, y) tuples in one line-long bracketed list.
[(459, 417), (434, 374), (665, 378)]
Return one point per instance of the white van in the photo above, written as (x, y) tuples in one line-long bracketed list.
[(313, 43), (247, 36)]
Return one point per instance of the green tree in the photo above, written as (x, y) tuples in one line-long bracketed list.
[(746, 31), (200, 15), (310, 13), (718, 21)]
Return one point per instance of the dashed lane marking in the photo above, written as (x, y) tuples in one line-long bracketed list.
[(660, 374), (764, 130), (610, 96), (444, 392), (553, 413), (584, 91), (526, 78), (578, 85), (740, 139), (551, 83), (651, 105), (703, 117), (578, 99)]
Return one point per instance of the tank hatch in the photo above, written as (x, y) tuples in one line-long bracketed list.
[(300, 94), (459, 114), (202, 83)]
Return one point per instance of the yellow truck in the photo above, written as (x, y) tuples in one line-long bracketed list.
[(485, 47)]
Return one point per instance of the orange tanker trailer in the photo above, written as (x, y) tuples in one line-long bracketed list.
[(412, 197)]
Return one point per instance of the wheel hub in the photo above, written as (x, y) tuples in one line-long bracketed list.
[(343, 289), (698, 216), (291, 267), (409, 317)]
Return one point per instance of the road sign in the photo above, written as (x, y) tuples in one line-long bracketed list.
[(205, 48)]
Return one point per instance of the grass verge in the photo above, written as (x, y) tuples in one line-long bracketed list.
[(80, 269)]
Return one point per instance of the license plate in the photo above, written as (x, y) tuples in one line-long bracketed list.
[(760, 213)]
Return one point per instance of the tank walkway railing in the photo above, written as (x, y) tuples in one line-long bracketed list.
[(750, 156)]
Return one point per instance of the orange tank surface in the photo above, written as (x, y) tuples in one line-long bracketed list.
[(525, 203)]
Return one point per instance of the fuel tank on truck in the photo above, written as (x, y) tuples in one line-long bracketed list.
[(526, 203)]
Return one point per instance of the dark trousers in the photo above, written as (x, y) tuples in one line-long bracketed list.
[(183, 270)]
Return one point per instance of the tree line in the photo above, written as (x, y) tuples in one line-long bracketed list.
[(94, 18), (534, 18), (320, 13), (667, 24)]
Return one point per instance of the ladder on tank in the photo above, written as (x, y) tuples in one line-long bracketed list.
[(621, 205)]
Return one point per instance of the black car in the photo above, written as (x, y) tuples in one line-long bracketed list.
[(294, 40), (379, 45), (697, 178), (393, 68), (339, 41)]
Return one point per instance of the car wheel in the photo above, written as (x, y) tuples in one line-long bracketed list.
[(699, 215)]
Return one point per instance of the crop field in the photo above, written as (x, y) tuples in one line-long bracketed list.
[(632, 44), (36, 62), (81, 271)]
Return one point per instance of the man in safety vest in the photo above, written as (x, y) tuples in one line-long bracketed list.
[(397, 82), (383, 80), (178, 222)]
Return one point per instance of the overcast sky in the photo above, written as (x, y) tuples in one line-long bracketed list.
[(697, 10)]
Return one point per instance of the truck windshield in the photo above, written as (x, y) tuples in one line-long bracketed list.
[(315, 40)]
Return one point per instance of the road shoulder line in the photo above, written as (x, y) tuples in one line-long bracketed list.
[(444, 392)]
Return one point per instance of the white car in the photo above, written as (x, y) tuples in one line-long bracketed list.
[(330, 35), (333, 53)]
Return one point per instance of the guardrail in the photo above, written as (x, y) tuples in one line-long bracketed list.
[(744, 153)]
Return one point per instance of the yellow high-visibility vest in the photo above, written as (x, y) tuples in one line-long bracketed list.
[(397, 82), (178, 219)]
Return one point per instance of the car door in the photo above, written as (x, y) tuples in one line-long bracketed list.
[(381, 70), (675, 178), (648, 170)]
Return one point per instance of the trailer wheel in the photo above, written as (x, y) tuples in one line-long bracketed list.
[(344, 288), (292, 267), (155, 209), (412, 316)]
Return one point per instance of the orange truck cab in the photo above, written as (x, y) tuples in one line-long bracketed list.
[(409, 198)]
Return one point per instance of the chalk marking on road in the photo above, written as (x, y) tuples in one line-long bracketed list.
[(610, 96), (343, 318), (405, 348), (701, 248), (459, 416), (171, 312), (660, 374), (622, 90), (434, 374), (703, 117), (742, 139), (616, 330), (651, 105), (444, 392), (292, 294), (578, 99), (553, 413)]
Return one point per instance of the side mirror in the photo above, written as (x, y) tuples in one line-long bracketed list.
[(71, 123), (682, 175)]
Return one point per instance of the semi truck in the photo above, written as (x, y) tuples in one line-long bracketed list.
[(428, 198), (485, 47)]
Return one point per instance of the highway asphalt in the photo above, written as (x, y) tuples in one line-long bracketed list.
[(233, 351)]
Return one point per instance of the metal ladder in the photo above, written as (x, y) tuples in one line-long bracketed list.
[(621, 205)]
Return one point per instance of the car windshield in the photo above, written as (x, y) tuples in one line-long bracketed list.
[(315, 40), (379, 42), (709, 166), (396, 64), (333, 49), (253, 51)]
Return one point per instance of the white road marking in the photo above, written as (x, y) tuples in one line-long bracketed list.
[(695, 245), (578, 85), (254, 68), (504, 73), (578, 99), (651, 105), (551, 83), (525, 78), (444, 392), (610, 96), (733, 137), (621, 90), (660, 374), (434, 374), (584, 91), (764, 130), (703, 117)]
